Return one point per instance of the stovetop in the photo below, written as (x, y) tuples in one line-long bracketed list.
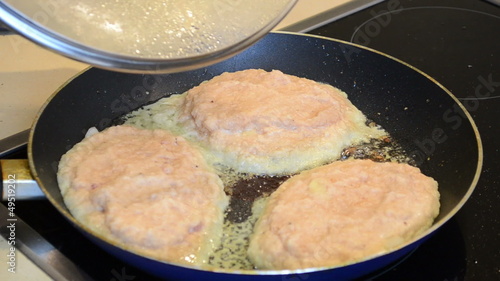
[(454, 41), (457, 43)]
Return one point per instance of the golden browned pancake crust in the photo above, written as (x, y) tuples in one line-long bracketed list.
[(273, 123), (342, 213), (146, 190)]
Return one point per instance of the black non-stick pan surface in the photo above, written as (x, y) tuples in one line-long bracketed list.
[(422, 116)]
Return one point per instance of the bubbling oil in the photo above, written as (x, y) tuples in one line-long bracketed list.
[(248, 193), (232, 252)]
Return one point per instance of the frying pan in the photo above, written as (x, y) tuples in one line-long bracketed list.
[(423, 117)]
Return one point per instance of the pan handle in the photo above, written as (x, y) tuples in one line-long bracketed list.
[(13, 143), (18, 184)]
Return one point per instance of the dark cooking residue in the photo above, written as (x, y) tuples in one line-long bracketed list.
[(239, 219), (245, 191), (379, 150)]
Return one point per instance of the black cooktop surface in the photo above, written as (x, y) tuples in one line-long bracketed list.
[(455, 42), (458, 44)]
